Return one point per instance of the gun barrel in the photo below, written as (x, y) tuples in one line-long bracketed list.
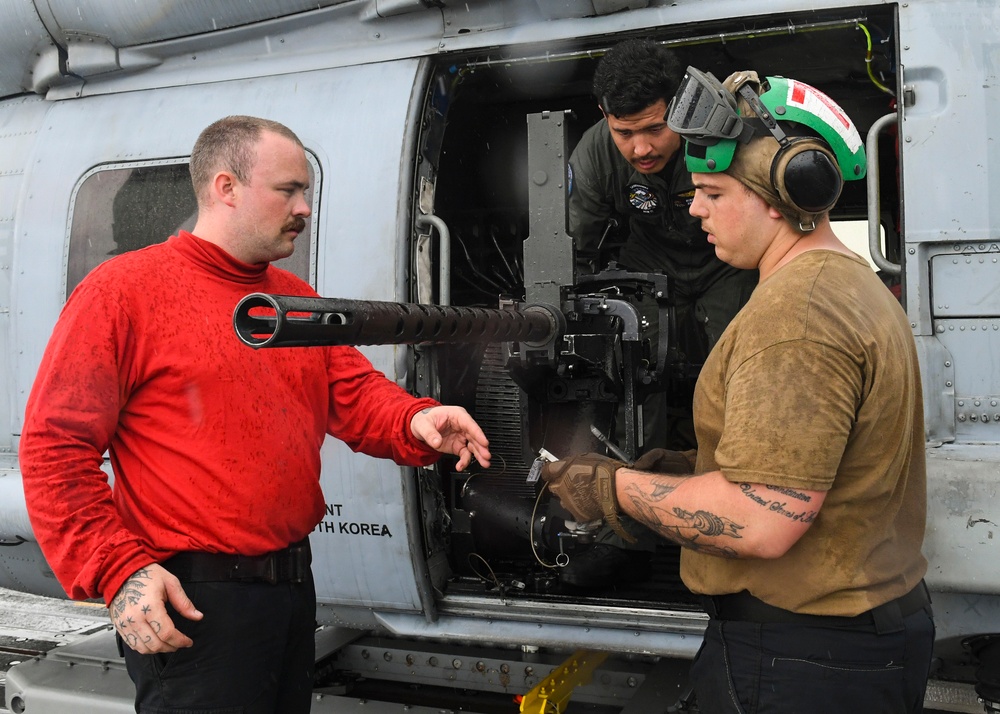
[(263, 320)]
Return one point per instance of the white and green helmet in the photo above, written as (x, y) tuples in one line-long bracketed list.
[(810, 146)]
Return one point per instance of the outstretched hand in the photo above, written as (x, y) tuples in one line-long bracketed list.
[(139, 613), (451, 430)]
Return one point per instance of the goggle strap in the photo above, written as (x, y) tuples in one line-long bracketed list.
[(763, 113), (751, 128)]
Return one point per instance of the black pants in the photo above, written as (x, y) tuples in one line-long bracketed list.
[(754, 668), (253, 653)]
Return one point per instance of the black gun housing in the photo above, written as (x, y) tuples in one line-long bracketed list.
[(263, 320)]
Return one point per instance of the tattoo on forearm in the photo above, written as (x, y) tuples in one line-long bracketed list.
[(693, 542), (778, 506), (662, 488), (692, 529), (709, 524)]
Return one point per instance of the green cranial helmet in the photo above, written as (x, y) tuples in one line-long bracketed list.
[(708, 114), (787, 140)]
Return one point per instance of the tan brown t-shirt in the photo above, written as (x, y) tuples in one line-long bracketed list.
[(815, 385)]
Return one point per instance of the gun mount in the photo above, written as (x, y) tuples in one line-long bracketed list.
[(608, 338), (581, 353)]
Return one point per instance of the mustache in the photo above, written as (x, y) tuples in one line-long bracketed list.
[(296, 224)]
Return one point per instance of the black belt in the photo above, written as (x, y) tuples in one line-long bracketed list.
[(289, 564), (885, 618)]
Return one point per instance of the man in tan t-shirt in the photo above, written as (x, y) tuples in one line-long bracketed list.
[(803, 519)]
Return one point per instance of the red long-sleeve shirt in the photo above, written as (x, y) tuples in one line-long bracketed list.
[(215, 446)]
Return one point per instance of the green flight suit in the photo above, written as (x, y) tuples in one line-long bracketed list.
[(662, 236)]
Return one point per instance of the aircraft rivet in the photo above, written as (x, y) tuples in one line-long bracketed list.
[(456, 663)]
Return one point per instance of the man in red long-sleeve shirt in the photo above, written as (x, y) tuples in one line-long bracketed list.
[(201, 548)]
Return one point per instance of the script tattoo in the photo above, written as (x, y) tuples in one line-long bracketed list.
[(778, 506), (790, 492)]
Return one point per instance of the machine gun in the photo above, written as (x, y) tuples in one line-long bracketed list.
[(606, 344), (575, 358), (603, 337)]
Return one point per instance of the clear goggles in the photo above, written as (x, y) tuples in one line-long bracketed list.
[(703, 111)]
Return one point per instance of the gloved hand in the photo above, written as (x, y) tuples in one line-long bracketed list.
[(585, 485), (665, 461)]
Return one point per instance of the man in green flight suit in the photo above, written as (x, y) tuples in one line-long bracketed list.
[(629, 169)]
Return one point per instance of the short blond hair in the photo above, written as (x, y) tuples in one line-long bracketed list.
[(229, 144)]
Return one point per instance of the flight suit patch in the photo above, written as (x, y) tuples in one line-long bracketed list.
[(683, 200), (643, 198)]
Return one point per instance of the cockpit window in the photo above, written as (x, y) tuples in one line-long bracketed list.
[(121, 207)]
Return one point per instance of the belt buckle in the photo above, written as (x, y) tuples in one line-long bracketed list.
[(298, 563), (269, 574)]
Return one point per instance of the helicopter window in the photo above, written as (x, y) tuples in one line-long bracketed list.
[(121, 207)]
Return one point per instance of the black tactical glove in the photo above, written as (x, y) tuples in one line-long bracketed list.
[(665, 461), (585, 485)]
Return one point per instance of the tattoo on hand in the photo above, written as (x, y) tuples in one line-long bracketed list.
[(131, 591)]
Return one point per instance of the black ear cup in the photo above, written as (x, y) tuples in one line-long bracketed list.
[(805, 175)]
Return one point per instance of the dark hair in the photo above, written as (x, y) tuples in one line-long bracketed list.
[(230, 144), (634, 75)]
